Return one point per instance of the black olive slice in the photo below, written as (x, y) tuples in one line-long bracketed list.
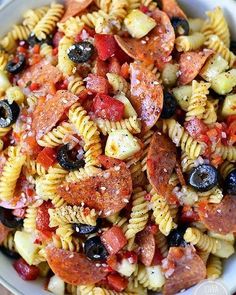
[(85, 229), (81, 52), (180, 25), (230, 183), (9, 220), (33, 40), (64, 158), (94, 249), (203, 178), (9, 113), (16, 67), (169, 106), (176, 237), (233, 46), (9, 253)]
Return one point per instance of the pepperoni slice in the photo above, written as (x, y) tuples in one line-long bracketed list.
[(189, 269), (3, 232), (172, 9), (74, 7), (156, 47), (161, 160), (190, 64), (42, 73), (53, 109), (108, 192), (147, 246), (220, 218), (146, 95), (108, 162), (73, 268)]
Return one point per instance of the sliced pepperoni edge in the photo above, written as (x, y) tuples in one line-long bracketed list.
[(220, 218), (74, 7), (188, 270), (73, 268), (172, 9), (190, 64), (108, 192), (108, 162), (147, 247), (161, 161), (53, 109), (146, 95), (156, 47)]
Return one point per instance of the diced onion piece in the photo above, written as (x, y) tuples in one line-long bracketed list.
[(224, 82), (4, 82), (229, 105), (182, 95), (121, 144), (126, 268), (129, 109), (155, 275), (56, 285), (139, 24)]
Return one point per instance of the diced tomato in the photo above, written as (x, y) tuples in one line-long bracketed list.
[(195, 127), (106, 45), (97, 84), (108, 162), (55, 51), (20, 212), (108, 108), (43, 218), (62, 85), (36, 48), (117, 282), (56, 38), (231, 119), (46, 157), (124, 71), (131, 256), (232, 132), (21, 49), (177, 253), (148, 197), (36, 58), (216, 160), (100, 67), (34, 147), (114, 66), (144, 9), (157, 259), (25, 271), (114, 239), (188, 214), (112, 261), (34, 86), (152, 228)]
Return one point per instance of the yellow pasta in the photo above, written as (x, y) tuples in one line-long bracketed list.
[(32, 17), (82, 173), (226, 168), (226, 152), (64, 239), (3, 60), (103, 5), (150, 4), (195, 24), (46, 50), (4, 131), (65, 64), (137, 175), (162, 244), (147, 137), (14, 93), (214, 267), (118, 83), (217, 25), (72, 27), (210, 114), (191, 42), (204, 255), (76, 84), (118, 9)]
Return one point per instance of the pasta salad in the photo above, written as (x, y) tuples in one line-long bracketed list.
[(118, 146)]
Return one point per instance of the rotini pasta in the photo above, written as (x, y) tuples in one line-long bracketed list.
[(66, 65), (217, 25), (226, 152), (76, 84), (195, 24), (64, 239), (191, 42), (226, 168), (118, 83), (72, 214), (9, 242), (162, 244), (146, 141), (46, 50), (181, 138), (82, 173), (32, 17), (72, 27), (3, 60), (14, 93), (210, 114), (214, 267)]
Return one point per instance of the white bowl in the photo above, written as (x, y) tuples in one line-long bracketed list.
[(10, 13)]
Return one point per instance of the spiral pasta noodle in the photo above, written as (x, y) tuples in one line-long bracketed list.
[(32, 17), (134, 4), (9, 242), (72, 27), (215, 195), (150, 4), (55, 137), (226, 168), (33, 168), (3, 60), (72, 214), (8, 43), (82, 173), (137, 175), (204, 255), (161, 243), (202, 241), (210, 114), (214, 267), (91, 19), (10, 175), (217, 25), (226, 152), (195, 24), (132, 124), (191, 42), (142, 278), (103, 5), (64, 239), (118, 83), (48, 22), (146, 142), (30, 219), (76, 84), (187, 163), (198, 100), (118, 9), (65, 64), (46, 50), (219, 47), (161, 213), (181, 138), (139, 215), (4, 131)]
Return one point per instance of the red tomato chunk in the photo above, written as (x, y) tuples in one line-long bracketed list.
[(108, 108), (46, 157), (106, 45), (25, 271), (97, 84), (114, 239), (42, 218), (117, 282)]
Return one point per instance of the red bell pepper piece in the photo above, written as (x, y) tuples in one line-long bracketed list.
[(97, 84), (114, 239), (106, 45), (46, 157), (117, 282)]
